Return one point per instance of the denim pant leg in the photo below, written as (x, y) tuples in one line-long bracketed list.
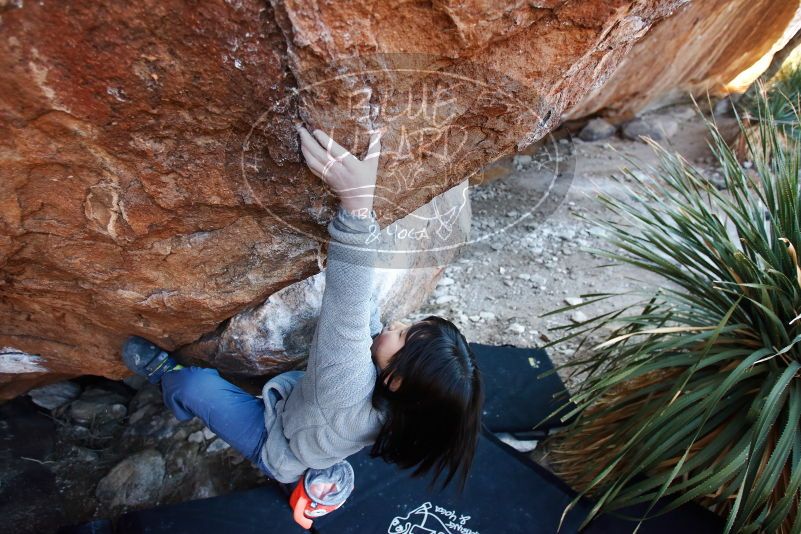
[(233, 414)]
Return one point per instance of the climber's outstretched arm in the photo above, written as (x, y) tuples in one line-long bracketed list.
[(340, 351)]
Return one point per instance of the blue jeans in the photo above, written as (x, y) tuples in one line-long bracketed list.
[(235, 415)]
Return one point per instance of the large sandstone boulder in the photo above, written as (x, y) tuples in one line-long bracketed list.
[(714, 46), (150, 180)]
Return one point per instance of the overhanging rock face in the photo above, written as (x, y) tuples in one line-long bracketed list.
[(703, 47), (150, 178)]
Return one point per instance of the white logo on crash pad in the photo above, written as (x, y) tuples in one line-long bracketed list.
[(429, 519)]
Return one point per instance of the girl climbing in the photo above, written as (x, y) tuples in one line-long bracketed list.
[(413, 392)]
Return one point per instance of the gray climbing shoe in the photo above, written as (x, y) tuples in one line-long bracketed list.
[(146, 359)]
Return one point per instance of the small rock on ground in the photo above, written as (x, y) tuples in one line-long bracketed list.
[(148, 394), (517, 328), (217, 445), (52, 396), (578, 317), (685, 113), (83, 411), (522, 159), (723, 107), (656, 129), (596, 129), (135, 481), (444, 299)]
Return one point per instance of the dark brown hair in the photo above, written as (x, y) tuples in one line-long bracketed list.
[(433, 418)]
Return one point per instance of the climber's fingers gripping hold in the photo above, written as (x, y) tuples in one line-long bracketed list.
[(312, 152), (353, 180), (332, 148)]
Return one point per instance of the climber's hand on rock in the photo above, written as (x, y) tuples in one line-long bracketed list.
[(352, 180)]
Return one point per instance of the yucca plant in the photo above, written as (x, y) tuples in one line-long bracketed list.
[(694, 392), (780, 95), (778, 99)]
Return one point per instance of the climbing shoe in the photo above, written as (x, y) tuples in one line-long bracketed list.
[(146, 359)]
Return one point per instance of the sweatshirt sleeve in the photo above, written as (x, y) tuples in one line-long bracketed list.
[(339, 360), (375, 317)]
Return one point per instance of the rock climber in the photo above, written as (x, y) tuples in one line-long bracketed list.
[(411, 391)]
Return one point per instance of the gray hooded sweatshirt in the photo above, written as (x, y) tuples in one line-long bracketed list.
[(317, 418)]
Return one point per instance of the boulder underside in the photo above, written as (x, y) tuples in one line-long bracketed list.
[(700, 49)]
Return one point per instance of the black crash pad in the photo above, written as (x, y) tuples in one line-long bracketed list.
[(502, 494), (262, 510), (517, 395), (505, 493)]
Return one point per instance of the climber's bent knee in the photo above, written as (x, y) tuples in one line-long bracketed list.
[(188, 391), (231, 413)]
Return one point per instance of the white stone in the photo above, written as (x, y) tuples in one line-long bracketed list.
[(578, 317), (195, 437), (517, 328), (444, 299), (574, 301), (488, 316), (217, 445)]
